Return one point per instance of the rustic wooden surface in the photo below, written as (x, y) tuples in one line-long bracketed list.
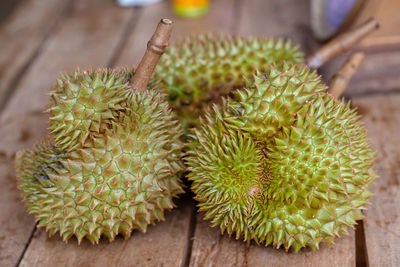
[(33, 27), (381, 114), (40, 39)]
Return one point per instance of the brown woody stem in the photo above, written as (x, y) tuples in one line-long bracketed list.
[(341, 44), (341, 79), (155, 48)]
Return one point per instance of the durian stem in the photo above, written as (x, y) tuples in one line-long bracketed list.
[(341, 44), (341, 79), (155, 48)]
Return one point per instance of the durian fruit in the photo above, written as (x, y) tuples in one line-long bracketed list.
[(281, 162), (199, 70), (84, 103), (112, 162)]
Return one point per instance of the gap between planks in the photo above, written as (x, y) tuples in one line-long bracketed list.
[(380, 114), (124, 37), (192, 226), (361, 245), (26, 245), (15, 127)]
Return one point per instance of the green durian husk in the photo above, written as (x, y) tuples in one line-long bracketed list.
[(281, 162), (198, 70), (84, 103), (119, 177)]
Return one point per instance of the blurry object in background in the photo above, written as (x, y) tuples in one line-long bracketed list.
[(136, 2), (190, 8), (381, 66), (328, 17), (341, 43), (387, 13)]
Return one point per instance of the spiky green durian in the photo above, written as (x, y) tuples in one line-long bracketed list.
[(282, 162), (120, 176), (198, 70), (84, 103)]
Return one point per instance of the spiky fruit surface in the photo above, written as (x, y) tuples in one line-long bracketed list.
[(200, 69), (84, 103), (282, 163), (120, 176)]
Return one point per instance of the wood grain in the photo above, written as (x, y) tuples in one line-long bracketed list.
[(15, 224), (378, 73), (381, 114), (210, 248), (162, 245), (84, 38), (21, 36), (281, 18), (335, 255)]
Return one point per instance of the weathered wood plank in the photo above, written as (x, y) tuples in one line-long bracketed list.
[(378, 72), (21, 36), (210, 248), (219, 19), (162, 245), (279, 18), (385, 11), (335, 255), (85, 39), (15, 224), (381, 114)]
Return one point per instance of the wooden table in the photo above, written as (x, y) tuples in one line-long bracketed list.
[(42, 38)]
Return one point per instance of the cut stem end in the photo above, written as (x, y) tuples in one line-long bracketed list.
[(155, 48)]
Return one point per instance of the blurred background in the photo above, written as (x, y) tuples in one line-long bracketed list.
[(117, 31)]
